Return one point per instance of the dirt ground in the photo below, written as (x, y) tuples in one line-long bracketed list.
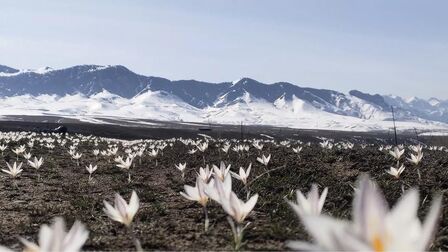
[(167, 221)]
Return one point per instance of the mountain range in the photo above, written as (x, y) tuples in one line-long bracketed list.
[(244, 99)]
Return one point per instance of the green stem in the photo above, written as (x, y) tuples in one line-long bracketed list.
[(137, 244), (237, 231), (207, 222)]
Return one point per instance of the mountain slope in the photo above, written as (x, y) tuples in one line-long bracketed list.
[(227, 101)]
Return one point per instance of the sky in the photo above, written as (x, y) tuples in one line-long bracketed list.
[(378, 46)]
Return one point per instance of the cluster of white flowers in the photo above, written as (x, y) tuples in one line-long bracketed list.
[(373, 228)]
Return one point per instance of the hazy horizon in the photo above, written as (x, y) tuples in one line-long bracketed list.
[(379, 47)]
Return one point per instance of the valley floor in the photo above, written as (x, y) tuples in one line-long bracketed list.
[(167, 221)]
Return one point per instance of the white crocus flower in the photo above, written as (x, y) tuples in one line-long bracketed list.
[(36, 163), (397, 153), (19, 150), (396, 171), (3, 147), (226, 148), (213, 188), (264, 160), (96, 152), (124, 164), (118, 159), (374, 227), (202, 147), (122, 212), (181, 167), (417, 158), (298, 149), (153, 153), (236, 208), (91, 169), (310, 205), (198, 194), (326, 145), (243, 175), (77, 156), (221, 172), (205, 174), (259, 146), (416, 148), (26, 155), (13, 170), (56, 238)]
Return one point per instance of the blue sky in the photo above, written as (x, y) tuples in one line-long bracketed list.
[(379, 46)]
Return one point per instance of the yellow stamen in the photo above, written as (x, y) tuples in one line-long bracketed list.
[(377, 244)]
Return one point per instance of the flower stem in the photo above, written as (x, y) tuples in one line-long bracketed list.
[(246, 187), (207, 222), (137, 244), (237, 231)]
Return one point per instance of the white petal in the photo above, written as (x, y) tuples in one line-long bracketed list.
[(134, 204)]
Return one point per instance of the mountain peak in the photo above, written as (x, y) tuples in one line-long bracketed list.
[(243, 81), (7, 69), (434, 101)]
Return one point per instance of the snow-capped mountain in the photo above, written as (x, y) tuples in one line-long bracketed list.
[(115, 90)]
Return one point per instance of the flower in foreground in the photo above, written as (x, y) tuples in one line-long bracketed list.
[(310, 205), (13, 170), (374, 227), (236, 209), (122, 211), (197, 193), (56, 238), (217, 189)]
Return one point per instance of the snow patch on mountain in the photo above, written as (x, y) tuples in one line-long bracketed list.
[(158, 105), (41, 71), (94, 90)]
